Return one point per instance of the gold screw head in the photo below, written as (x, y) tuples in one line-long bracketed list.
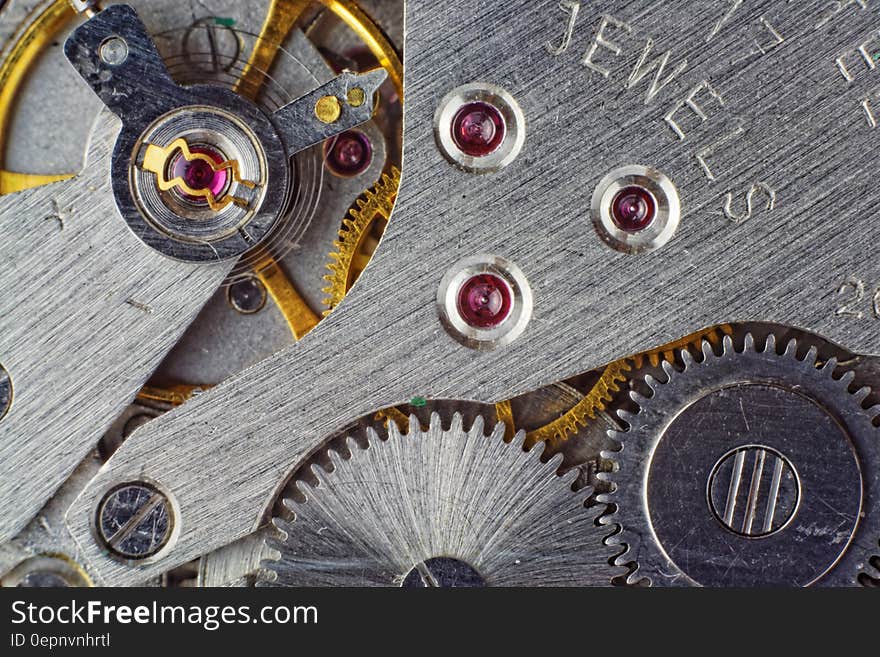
[(356, 97), (328, 109)]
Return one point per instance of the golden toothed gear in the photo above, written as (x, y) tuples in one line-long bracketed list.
[(359, 236), (586, 410), (603, 391), (595, 401)]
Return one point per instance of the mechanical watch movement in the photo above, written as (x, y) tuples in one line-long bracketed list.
[(439, 294)]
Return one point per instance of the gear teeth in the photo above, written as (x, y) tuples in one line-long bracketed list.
[(587, 409), (570, 478), (281, 527), (471, 530), (267, 575), (616, 538), (603, 391), (519, 442), (627, 530), (319, 473), (861, 395), (727, 343), (479, 426), (534, 455), (848, 377), (455, 425), (351, 445), (271, 551), (687, 357), (871, 569), (273, 546), (830, 365), (606, 498), (394, 433), (498, 431), (652, 382), (375, 204), (336, 459), (373, 436), (628, 416), (555, 463), (706, 349)]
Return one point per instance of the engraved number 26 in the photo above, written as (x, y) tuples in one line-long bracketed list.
[(852, 300)]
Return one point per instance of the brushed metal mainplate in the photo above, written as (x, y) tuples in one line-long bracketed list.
[(790, 133)]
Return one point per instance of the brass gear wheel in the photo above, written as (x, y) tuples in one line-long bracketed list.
[(359, 236), (609, 383), (594, 402)]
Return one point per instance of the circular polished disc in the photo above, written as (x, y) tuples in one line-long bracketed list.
[(754, 485)]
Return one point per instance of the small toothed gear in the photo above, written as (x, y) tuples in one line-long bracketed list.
[(353, 249), (441, 508), (610, 383), (749, 468)]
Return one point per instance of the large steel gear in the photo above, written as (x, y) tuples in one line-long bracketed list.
[(442, 507), (749, 468)]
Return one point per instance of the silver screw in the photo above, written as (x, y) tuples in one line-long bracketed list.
[(753, 482), (135, 520), (114, 51)]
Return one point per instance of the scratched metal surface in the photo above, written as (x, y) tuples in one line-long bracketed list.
[(789, 127), (87, 313)]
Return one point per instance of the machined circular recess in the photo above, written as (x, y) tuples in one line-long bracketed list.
[(509, 300), (768, 481), (5, 391), (205, 150), (247, 295), (778, 535), (114, 51), (635, 209), (750, 468), (183, 222), (46, 571), (443, 572), (480, 127), (135, 521)]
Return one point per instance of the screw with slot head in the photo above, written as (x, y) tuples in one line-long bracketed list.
[(135, 520)]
